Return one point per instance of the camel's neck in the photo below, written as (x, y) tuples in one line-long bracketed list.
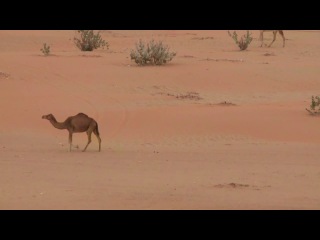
[(59, 125)]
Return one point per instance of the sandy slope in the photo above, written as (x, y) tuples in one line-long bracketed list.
[(160, 151)]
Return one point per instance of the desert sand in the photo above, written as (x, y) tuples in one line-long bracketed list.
[(243, 141)]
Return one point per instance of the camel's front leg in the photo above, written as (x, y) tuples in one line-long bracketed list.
[(70, 141)]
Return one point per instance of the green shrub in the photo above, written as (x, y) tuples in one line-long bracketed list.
[(88, 40), (153, 53), (314, 105), (46, 49), (244, 42)]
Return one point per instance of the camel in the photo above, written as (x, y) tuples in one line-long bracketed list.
[(274, 36), (76, 124)]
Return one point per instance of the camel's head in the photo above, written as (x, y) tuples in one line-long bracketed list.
[(49, 116)]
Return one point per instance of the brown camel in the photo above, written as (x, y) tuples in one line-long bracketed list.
[(76, 124), (274, 36)]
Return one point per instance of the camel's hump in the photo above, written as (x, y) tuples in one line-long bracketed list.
[(82, 114)]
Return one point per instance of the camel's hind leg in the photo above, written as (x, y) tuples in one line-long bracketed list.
[(274, 38), (89, 132), (261, 38), (95, 131), (282, 35)]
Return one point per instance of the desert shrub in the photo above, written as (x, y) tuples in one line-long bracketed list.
[(154, 53), (46, 49), (314, 105), (244, 41), (88, 40)]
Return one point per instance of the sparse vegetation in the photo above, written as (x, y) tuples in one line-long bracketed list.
[(153, 53), (190, 96), (202, 38), (244, 42), (225, 103), (314, 106), (88, 41), (183, 96), (45, 50)]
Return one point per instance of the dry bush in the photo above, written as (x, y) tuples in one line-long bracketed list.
[(45, 50), (314, 105), (88, 40), (244, 41), (153, 53)]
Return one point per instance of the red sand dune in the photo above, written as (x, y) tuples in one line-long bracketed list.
[(160, 151)]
